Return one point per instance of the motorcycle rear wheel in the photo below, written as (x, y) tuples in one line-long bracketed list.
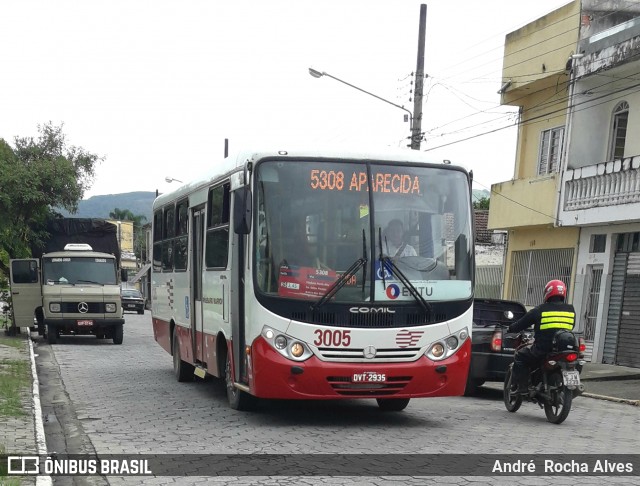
[(559, 409), (511, 402)]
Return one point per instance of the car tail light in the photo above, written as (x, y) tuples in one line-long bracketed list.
[(582, 346), (496, 341), (571, 357)]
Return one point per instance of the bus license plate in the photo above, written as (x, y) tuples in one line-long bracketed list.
[(571, 378), (369, 377), (85, 323)]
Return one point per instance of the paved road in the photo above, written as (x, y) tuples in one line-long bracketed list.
[(125, 399)]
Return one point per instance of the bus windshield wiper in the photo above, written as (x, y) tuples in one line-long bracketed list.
[(344, 278), (386, 262), (89, 281)]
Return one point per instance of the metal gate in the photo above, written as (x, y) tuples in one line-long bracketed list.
[(591, 313), (532, 269), (627, 353), (615, 308)]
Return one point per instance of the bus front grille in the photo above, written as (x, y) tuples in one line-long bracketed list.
[(356, 355), (344, 386)]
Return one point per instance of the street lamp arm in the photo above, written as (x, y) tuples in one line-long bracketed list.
[(318, 74)]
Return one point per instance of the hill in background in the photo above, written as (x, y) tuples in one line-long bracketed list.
[(139, 203), (479, 194)]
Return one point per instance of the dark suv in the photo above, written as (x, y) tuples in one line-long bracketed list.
[(132, 300), (492, 347)]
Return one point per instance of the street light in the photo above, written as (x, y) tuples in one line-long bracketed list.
[(318, 74), (172, 179)]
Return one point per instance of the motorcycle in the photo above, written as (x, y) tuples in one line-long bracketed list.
[(555, 382)]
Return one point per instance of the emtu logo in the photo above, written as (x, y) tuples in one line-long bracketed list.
[(393, 291)]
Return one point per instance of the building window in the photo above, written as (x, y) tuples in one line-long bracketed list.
[(598, 243), (619, 130), (550, 150), (532, 269)]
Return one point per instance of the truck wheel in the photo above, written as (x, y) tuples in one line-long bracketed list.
[(52, 334), (118, 334)]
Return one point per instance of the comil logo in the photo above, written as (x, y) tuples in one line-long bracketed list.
[(393, 291)]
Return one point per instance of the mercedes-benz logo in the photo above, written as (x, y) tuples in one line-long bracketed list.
[(83, 307), (369, 352)]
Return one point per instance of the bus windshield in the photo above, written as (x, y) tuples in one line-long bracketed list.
[(400, 232), (79, 270)]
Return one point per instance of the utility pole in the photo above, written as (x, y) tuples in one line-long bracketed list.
[(416, 131)]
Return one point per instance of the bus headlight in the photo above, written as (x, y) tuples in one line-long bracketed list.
[(448, 346), (110, 307), (286, 345), (54, 307)]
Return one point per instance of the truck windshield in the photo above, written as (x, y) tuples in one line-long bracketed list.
[(316, 218), (79, 270)]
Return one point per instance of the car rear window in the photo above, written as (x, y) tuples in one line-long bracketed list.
[(491, 312)]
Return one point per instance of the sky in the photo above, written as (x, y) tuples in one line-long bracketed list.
[(156, 86)]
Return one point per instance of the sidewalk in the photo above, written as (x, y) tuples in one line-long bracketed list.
[(17, 425), (611, 382)]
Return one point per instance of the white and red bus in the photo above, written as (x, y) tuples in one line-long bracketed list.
[(275, 272)]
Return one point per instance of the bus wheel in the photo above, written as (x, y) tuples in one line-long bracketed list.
[(118, 334), (392, 404), (52, 334), (238, 399), (182, 369)]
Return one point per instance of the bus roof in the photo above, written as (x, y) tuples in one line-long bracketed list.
[(76, 254), (236, 161)]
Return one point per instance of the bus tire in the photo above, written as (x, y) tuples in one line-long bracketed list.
[(182, 369), (238, 399), (118, 334), (52, 334), (392, 404)]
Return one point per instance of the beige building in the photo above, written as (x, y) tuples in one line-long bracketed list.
[(536, 78), (125, 240)]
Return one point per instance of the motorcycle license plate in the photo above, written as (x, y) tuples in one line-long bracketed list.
[(571, 378)]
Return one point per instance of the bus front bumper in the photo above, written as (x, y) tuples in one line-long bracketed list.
[(274, 376)]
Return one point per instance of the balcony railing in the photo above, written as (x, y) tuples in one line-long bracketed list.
[(605, 184)]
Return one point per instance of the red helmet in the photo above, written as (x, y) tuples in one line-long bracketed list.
[(555, 288)]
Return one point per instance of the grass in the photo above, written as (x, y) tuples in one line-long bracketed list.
[(15, 379), (14, 342)]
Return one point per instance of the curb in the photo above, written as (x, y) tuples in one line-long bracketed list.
[(635, 403), (41, 442)]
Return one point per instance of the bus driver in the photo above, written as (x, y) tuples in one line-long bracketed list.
[(393, 241)]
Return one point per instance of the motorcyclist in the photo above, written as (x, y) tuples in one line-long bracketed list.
[(547, 318)]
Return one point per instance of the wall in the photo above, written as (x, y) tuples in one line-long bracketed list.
[(591, 120)]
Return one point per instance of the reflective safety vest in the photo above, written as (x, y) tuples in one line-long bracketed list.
[(557, 320)]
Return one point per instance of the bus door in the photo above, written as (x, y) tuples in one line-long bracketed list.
[(197, 251), (26, 292)]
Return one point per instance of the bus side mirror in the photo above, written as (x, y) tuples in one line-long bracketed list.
[(242, 211), (123, 275)]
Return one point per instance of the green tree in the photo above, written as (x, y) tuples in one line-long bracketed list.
[(482, 203), (138, 223), (39, 174)]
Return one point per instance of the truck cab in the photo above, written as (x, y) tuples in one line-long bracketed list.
[(74, 291)]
